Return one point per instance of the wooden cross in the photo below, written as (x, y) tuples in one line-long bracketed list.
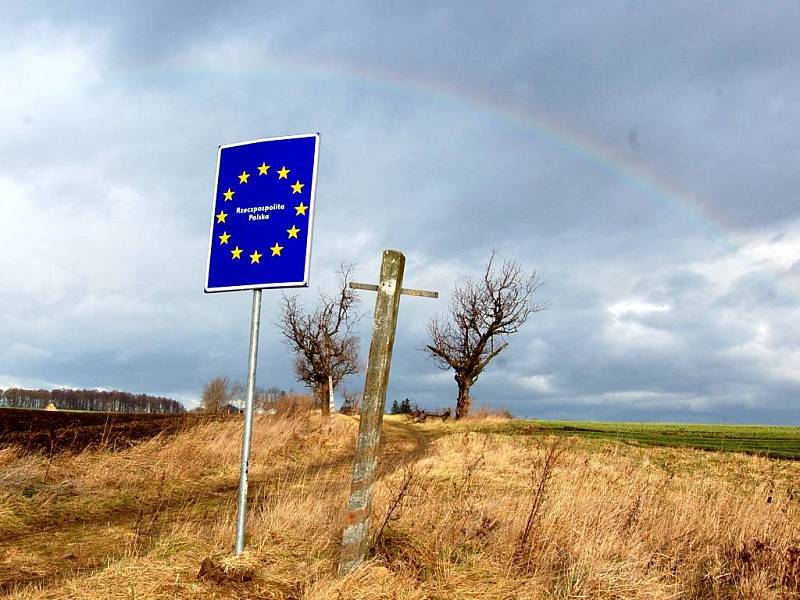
[(356, 530)]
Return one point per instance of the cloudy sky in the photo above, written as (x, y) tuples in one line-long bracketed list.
[(643, 158)]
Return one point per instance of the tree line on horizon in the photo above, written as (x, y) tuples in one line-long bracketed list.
[(406, 407), (90, 400), (220, 394)]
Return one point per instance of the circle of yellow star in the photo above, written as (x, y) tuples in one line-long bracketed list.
[(293, 232), (243, 177), (222, 216), (297, 187), (276, 249), (255, 257), (237, 252), (228, 195), (262, 170), (223, 239), (283, 172), (301, 209)]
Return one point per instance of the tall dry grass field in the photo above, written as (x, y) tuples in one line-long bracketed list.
[(463, 515)]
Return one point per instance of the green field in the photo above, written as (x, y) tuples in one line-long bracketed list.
[(772, 441)]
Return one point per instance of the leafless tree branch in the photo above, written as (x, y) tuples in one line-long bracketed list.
[(322, 339)]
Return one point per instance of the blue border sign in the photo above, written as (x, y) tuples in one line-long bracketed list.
[(263, 212)]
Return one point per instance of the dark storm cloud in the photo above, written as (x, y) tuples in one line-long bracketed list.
[(446, 131)]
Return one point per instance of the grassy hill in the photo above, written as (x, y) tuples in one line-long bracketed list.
[(771, 441), (469, 510)]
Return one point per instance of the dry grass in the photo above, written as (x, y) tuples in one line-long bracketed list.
[(464, 516), (489, 413)]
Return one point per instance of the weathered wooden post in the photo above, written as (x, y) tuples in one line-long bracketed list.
[(356, 530)]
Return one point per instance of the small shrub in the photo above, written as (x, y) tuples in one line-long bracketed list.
[(293, 404), (488, 413)]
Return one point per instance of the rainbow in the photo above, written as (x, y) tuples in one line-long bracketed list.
[(546, 128), (622, 164)]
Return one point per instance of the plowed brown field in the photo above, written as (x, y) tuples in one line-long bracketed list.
[(59, 431)]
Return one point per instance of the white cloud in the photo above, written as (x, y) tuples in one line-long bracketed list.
[(13, 381), (42, 74), (636, 307), (779, 252), (18, 351), (764, 252), (628, 325), (650, 400), (541, 384)]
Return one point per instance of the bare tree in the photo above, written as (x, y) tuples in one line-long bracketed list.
[(323, 339), (352, 403), (216, 394), (236, 394), (482, 315)]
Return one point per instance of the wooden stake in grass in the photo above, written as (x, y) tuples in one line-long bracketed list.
[(356, 531)]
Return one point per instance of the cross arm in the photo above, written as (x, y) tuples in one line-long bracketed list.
[(371, 287)]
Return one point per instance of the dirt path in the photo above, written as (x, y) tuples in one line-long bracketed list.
[(404, 440)]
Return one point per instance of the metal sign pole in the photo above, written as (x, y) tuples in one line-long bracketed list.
[(241, 514), (257, 203)]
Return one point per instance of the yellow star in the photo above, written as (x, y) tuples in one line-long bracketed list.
[(237, 252), (228, 195), (255, 257), (221, 216), (293, 232), (297, 187), (283, 172), (301, 209), (276, 249), (243, 177), (262, 170), (223, 239)]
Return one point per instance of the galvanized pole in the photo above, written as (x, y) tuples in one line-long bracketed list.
[(241, 514), (356, 531)]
